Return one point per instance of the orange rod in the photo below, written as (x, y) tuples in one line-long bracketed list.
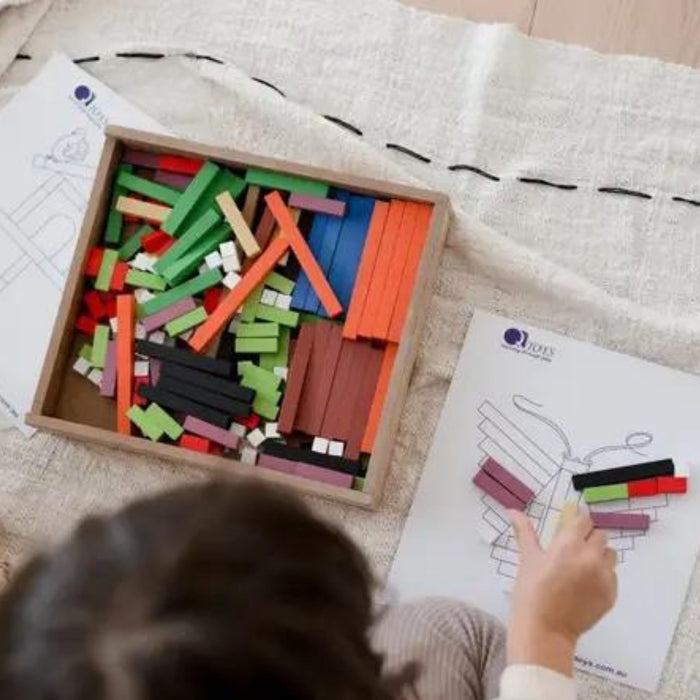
[(126, 313), (303, 253), (375, 412), (408, 281), (386, 251), (366, 270), (237, 296), (395, 272)]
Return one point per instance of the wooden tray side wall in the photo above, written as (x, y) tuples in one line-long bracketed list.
[(63, 337)]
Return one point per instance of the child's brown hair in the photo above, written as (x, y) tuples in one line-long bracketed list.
[(218, 591)]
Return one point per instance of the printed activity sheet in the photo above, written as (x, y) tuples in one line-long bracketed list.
[(546, 407), (51, 137)]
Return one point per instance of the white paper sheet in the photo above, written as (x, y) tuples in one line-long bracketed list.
[(51, 137), (544, 406)]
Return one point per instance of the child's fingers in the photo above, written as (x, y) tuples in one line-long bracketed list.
[(598, 540), (580, 527), (610, 556), (524, 532)]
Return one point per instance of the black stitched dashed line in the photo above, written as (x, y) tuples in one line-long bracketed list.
[(622, 190), (394, 146), (694, 202), (408, 152), (270, 85), (546, 183), (346, 125), (205, 57), (139, 54), (473, 169)]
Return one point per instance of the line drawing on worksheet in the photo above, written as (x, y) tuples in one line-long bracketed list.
[(510, 442), (41, 230)]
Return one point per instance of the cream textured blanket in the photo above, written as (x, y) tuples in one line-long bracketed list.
[(574, 178)]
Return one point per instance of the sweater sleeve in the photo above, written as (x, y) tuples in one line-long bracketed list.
[(521, 682)]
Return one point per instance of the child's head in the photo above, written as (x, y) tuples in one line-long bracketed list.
[(220, 591)]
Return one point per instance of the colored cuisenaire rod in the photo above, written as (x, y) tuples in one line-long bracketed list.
[(619, 475)]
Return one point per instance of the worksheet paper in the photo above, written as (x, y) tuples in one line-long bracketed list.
[(51, 137), (545, 406)]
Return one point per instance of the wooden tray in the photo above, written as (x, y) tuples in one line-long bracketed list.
[(67, 404)]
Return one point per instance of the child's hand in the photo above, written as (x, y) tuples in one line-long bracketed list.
[(559, 593)]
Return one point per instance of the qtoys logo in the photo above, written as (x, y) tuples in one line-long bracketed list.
[(518, 340), (86, 100)]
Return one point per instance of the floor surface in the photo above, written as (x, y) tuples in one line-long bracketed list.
[(666, 29)]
